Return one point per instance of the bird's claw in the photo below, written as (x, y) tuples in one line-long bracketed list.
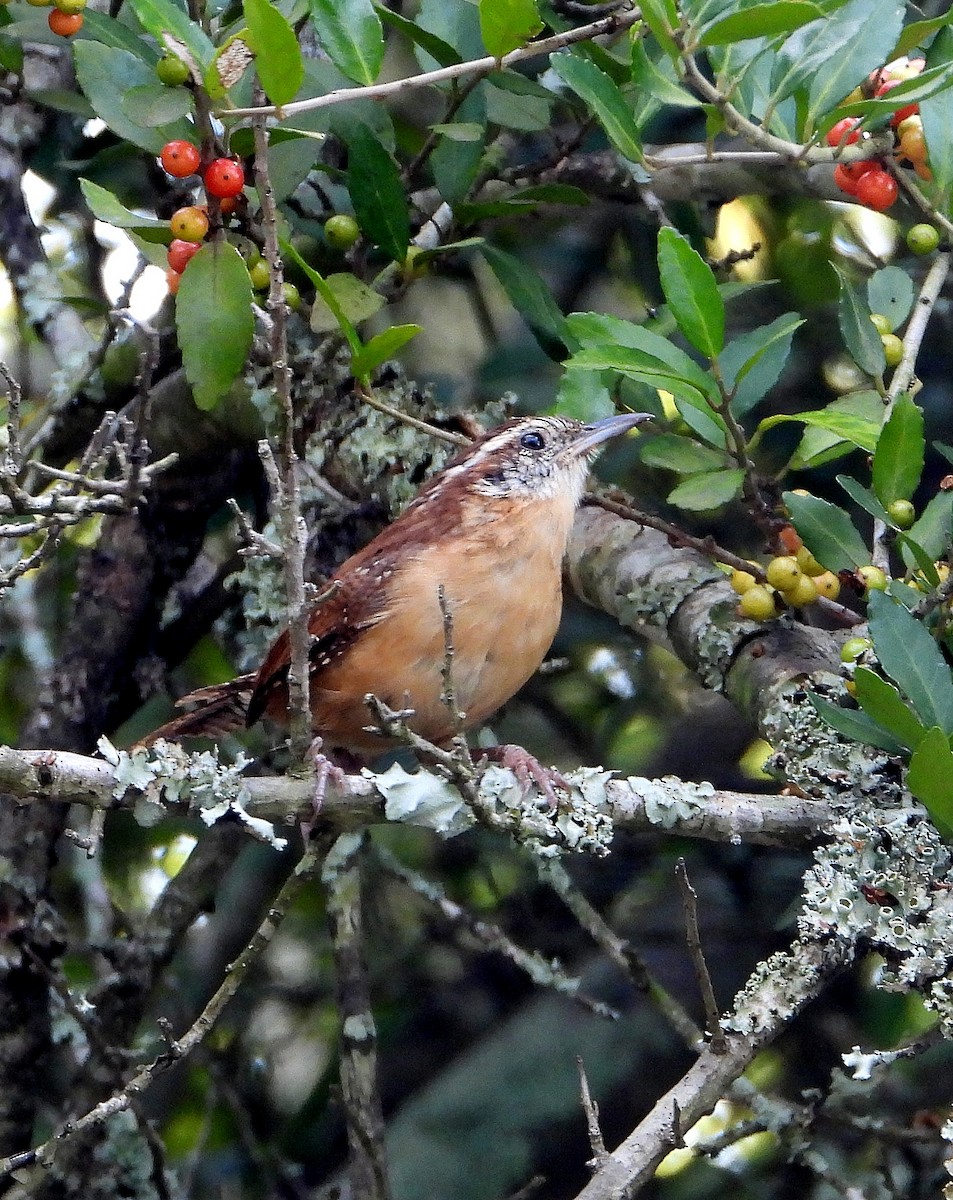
[(529, 771)]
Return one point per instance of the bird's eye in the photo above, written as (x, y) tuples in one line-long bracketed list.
[(532, 441)]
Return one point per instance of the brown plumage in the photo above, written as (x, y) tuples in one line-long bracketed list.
[(491, 529)]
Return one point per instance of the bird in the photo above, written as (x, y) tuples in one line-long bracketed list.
[(478, 552)]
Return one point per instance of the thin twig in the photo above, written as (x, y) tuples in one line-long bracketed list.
[(614, 23), (175, 1051), (445, 435), (693, 937), (591, 1109)]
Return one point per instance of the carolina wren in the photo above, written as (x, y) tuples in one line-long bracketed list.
[(491, 529)]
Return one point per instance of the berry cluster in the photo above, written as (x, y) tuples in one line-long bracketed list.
[(796, 578), (66, 17), (223, 179), (868, 180)]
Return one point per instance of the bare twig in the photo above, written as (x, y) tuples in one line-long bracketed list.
[(178, 1049), (591, 1109), (445, 435), (693, 937)]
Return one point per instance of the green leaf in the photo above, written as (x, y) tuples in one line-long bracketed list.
[(752, 363), (936, 112), (662, 18), (651, 79), (670, 452), (881, 701), (930, 779), (152, 104), (584, 396), (704, 492), (326, 294), (454, 163), (911, 657), (637, 364), (819, 446), (898, 459), (855, 726), (827, 532), (864, 497), (352, 36), (105, 207), (760, 20), (344, 295), (442, 52), (602, 332), (890, 292), (506, 24), (933, 530), (848, 426), (98, 67), (918, 33), (381, 347), (871, 28), (377, 193), (278, 58), (162, 17), (692, 292), (859, 332), (111, 32), (605, 100), (531, 298), (214, 321)]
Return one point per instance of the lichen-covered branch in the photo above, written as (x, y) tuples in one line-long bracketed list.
[(777, 991)]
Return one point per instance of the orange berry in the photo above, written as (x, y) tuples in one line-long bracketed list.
[(65, 24)]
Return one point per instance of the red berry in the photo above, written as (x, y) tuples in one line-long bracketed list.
[(179, 254), (848, 175), (172, 279), (65, 24), (190, 224), (224, 177), (180, 159), (902, 113), (877, 189), (844, 133)]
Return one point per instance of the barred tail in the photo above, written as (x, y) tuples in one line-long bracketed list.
[(213, 711)]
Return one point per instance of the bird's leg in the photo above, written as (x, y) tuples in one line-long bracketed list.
[(529, 770)]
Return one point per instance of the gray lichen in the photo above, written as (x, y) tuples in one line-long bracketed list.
[(167, 773)]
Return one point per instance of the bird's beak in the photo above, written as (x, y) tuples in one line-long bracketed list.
[(598, 432)]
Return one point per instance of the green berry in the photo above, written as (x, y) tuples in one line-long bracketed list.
[(260, 275), (291, 296), (341, 231), (882, 324), (854, 648), (172, 71), (902, 513), (893, 348), (757, 603), (922, 239), (807, 562)]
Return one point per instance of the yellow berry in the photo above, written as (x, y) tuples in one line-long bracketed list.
[(850, 687), (803, 593), (742, 581), (783, 572), (808, 563), (881, 323), (873, 579), (893, 348), (757, 603), (827, 584)]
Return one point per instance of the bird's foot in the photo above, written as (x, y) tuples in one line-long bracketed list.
[(530, 771), (325, 767)]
